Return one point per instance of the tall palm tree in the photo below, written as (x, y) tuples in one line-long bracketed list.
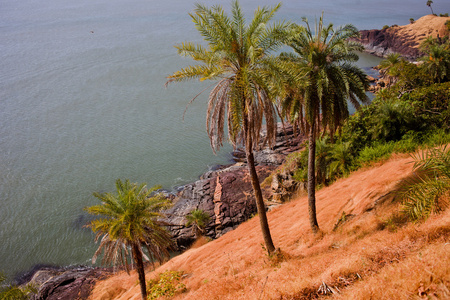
[(237, 57), (326, 57), (130, 222), (429, 2)]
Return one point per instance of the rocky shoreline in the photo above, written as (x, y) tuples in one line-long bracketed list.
[(226, 194)]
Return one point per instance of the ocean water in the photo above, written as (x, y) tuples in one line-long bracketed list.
[(83, 102)]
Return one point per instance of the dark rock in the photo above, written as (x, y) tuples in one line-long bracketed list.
[(386, 41), (66, 283), (226, 194)]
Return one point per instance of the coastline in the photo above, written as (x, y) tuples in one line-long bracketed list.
[(211, 176)]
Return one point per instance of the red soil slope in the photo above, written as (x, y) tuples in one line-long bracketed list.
[(356, 258)]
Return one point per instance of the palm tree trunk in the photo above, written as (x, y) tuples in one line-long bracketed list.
[(312, 179), (137, 256), (257, 190)]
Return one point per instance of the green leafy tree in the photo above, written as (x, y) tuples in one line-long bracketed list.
[(198, 219), (326, 56), (129, 223), (237, 57)]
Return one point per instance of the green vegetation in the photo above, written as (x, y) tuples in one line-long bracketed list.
[(198, 219), (167, 285), (13, 292), (327, 78), (428, 191), (238, 59), (130, 222), (412, 112)]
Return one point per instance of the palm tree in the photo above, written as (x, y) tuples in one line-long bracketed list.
[(437, 62), (326, 58), (426, 193), (323, 156), (198, 219), (341, 159), (237, 57), (429, 2), (130, 222), (390, 68)]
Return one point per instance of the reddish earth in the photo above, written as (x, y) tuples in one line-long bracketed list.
[(404, 39), (369, 256)]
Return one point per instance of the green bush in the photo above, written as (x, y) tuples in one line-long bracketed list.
[(375, 153), (167, 285), (13, 292), (431, 104), (437, 137)]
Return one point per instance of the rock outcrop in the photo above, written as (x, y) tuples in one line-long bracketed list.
[(226, 194), (66, 283), (404, 39)]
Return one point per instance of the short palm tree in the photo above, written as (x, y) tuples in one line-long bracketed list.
[(341, 159), (237, 57), (326, 56), (198, 219), (429, 191), (130, 222), (323, 157), (437, 62), (390, 68)]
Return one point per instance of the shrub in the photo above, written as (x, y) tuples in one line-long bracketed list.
[(428, 192), (13, 292), (167, 285), (385, 27), (375, 153), (431, 104)]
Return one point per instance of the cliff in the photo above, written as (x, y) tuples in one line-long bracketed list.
[(404, 39)]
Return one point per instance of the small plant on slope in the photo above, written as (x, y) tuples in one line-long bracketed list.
[(167, 285), (198, 219), (428, 192)]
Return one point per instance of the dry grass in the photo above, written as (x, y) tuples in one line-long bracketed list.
[(371, 254)]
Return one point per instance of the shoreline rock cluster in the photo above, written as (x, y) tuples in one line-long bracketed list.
[(226, 194)]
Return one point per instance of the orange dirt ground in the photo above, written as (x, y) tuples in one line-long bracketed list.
[(369, 256), (428, 25)]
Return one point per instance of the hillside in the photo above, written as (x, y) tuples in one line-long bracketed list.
[(370, 254), (404, 39)]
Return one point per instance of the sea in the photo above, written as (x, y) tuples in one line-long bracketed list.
[(83, 103)]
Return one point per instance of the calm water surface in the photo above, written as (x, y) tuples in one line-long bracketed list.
[(82, 103)]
